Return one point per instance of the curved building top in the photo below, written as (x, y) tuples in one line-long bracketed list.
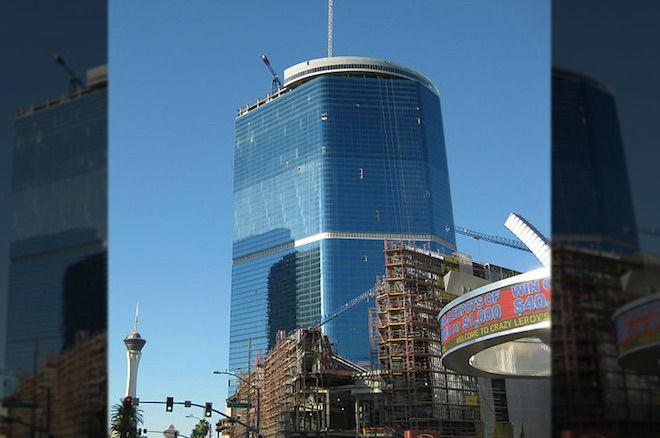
[(574, 75), (351, 65)]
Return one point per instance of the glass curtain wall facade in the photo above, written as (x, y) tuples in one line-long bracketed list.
[(323, 174), (595, 254), (588, 155), (58, 219)]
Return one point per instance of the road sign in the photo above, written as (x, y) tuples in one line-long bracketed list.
[(17, 404), (239, 405)]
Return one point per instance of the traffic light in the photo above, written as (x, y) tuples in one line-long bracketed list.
[(187, 404), (208, 411), (169, 404), (128, 402)]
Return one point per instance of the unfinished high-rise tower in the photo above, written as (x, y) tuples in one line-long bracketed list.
[(419, 393)]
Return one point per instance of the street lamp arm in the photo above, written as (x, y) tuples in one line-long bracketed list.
[(237, 376), (255, 387)]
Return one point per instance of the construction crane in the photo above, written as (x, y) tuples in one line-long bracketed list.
[(277, 84), (74, 81), (364, 296), (488, 238)]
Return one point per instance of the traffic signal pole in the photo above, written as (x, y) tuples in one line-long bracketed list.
[(188, 403)]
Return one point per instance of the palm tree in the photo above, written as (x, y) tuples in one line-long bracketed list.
[(201, 429), (125, 420)]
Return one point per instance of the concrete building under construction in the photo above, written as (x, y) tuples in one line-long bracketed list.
[(301, 387), (420, 395), (409, 298), (66, 398)]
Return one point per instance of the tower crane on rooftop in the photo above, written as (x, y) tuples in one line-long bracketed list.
[(277, 84), (74, 81)]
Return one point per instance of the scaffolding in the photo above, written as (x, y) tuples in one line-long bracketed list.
[(303, 386), (246, 391), (68, 397), (420, 394), (590, 390), (306, 389)]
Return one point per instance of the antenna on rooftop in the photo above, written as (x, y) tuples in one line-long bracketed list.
[(330, 14)]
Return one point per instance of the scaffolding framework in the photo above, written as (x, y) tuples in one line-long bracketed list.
[(419, 392), (590, 390), (306, 389), (296, 379), (68, 397)]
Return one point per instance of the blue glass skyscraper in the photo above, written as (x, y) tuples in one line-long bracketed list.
[(58, 225), (349, 153), (588, 154)]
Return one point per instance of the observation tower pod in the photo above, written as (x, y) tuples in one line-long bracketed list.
[(134, 344)]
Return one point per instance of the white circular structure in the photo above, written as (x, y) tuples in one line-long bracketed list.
[(502, 329), (351, 65), (638, 336)]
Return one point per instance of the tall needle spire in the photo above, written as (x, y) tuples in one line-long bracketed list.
[(137, 312)]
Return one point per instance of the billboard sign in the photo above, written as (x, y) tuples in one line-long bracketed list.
[(421, 433), (638, 334), (512, 307), (638, 326)]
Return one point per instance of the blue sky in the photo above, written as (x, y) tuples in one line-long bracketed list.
[(179, 70)]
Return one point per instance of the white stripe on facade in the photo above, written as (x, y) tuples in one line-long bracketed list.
[(344, 235)]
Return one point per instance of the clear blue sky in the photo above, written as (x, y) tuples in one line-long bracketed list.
[(179, 70)]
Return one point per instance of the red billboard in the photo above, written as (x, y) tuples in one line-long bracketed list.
[(421, 433), (639, 326), (496, 311)]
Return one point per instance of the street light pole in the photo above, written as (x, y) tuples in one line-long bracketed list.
[(258, 396)]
